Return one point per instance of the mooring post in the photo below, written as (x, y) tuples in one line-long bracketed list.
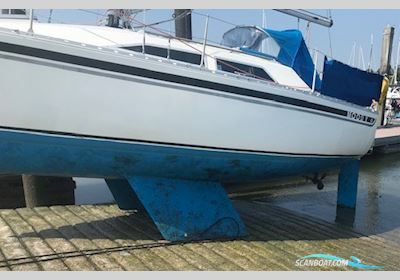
[(11, 192), (387, 43), (347, 192)]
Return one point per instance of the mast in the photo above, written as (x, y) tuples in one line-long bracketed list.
[(183, 23), (370, 54), (352, 55), (361, 61)]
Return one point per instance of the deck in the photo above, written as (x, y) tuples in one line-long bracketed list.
[(103, 237), (387, 139)]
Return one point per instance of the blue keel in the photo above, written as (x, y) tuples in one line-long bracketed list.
[(188, 210), (124, 194), (348, 181)]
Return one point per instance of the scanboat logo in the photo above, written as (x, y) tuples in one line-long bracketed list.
[(330, 260)]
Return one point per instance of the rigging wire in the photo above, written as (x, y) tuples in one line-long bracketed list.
[(50, 15), (98, 35), (214, 18), (248, 74), (166, 32), (352, 53), (361, 61), (143, 25), (329, 34), (370, 53), (169, 31), (200, 51), (163, 21), (91, 12), (168, 35), (46, 17), (308, 33)]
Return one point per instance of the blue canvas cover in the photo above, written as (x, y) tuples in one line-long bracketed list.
[(350, 84), (294, 53)]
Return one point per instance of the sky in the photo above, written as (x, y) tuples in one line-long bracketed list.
[(350, 27)]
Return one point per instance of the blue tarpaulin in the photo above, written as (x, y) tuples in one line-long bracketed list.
[(288, 47), (350, 84), (294, 53)]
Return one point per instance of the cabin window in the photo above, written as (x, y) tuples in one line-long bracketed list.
[(242, 69), (173, 54), (13, 11), (185, 56)]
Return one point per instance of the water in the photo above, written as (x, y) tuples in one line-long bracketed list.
[(378, 200), (92, 191)]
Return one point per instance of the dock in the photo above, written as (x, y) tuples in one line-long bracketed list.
[(387, 139), (103, 237)]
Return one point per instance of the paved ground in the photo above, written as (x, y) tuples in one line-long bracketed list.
[(106, 238)]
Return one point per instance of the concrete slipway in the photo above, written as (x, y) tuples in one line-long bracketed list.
[(105, 238)]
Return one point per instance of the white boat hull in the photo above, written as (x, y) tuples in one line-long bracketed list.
[(46, 95), (170, 135)]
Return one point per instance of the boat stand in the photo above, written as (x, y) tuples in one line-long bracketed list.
[(347, 192), (182, 210)]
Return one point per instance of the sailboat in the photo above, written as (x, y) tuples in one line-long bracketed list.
[(103, 102)]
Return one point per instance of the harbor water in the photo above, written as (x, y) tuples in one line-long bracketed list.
[(378, 200)]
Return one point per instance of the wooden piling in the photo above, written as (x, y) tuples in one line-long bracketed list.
[(11, 192), (47, 191), (387, 43)]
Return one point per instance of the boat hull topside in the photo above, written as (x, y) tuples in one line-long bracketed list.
[(73, 111), (62, 155), (210, 110)]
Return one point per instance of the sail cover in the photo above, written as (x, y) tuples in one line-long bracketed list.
[(294, 53), (350, 84), (287, 46)]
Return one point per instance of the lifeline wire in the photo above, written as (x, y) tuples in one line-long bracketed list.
[(222, 62), (91, 252)]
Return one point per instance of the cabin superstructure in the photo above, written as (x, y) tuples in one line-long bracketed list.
[(218, 58), (14, 14)]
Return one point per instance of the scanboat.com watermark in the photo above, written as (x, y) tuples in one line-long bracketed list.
[(333, 261)]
